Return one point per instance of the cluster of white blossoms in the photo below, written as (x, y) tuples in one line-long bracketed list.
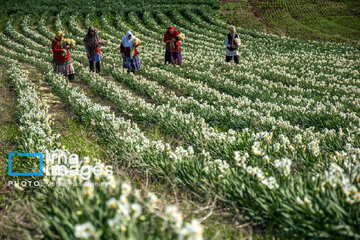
[(283, 165), (191, 230), (256, 149), (240, 161), (336, 176), (314, 147), (217, 165), (125, 211), (303, 202), (128, 213), (85, 230)]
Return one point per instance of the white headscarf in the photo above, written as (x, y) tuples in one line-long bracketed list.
[(126, 41)]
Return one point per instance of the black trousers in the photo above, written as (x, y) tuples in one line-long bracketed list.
[(91, 63), (71, 77), (236, 59)]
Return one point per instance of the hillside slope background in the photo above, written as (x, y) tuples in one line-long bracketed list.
[(323, 20)]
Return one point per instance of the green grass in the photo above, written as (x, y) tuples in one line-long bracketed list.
[(8, 133), (80, 139), (239, 14), (336, 21), (75, 136), (8, 129), (3, 19)]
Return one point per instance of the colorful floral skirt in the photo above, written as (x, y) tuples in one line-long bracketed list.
[(173, 58), (132, 64), (64, 69), (96, 57)]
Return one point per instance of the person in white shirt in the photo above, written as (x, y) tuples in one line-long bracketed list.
[(232, 42)]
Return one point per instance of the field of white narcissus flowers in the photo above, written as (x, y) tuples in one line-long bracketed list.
[(276, 138)]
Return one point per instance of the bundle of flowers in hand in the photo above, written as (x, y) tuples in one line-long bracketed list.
[(181, 36), (107, 42), (236, 40), (137, 41), (70, 42)]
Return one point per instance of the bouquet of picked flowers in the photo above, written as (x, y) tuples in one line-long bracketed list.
[(181, 36), (107, 42), (137, 41), (236, 40), (68, 42)]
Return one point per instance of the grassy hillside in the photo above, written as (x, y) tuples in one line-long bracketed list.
[(305, 19)]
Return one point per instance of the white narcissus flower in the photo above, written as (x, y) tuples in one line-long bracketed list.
[(270, 182), (350, 190), (191, 231), (113, 222), (174, 216), (256, 149), (112, 203), (88, 189), (357, 197), (283, 165), (136, 209), (299, 201), (85, 230), (307, 200), (125, 189), (153, 198)]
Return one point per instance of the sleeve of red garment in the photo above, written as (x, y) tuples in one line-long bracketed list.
[(55, 47), (166, 38)]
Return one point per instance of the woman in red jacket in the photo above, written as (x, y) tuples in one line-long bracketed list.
[(173, 52), (62, 61), (129, 52)]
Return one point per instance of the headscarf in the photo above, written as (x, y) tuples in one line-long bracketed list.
[(168, 35), (92, 41), (57, 38), (126, 41)]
